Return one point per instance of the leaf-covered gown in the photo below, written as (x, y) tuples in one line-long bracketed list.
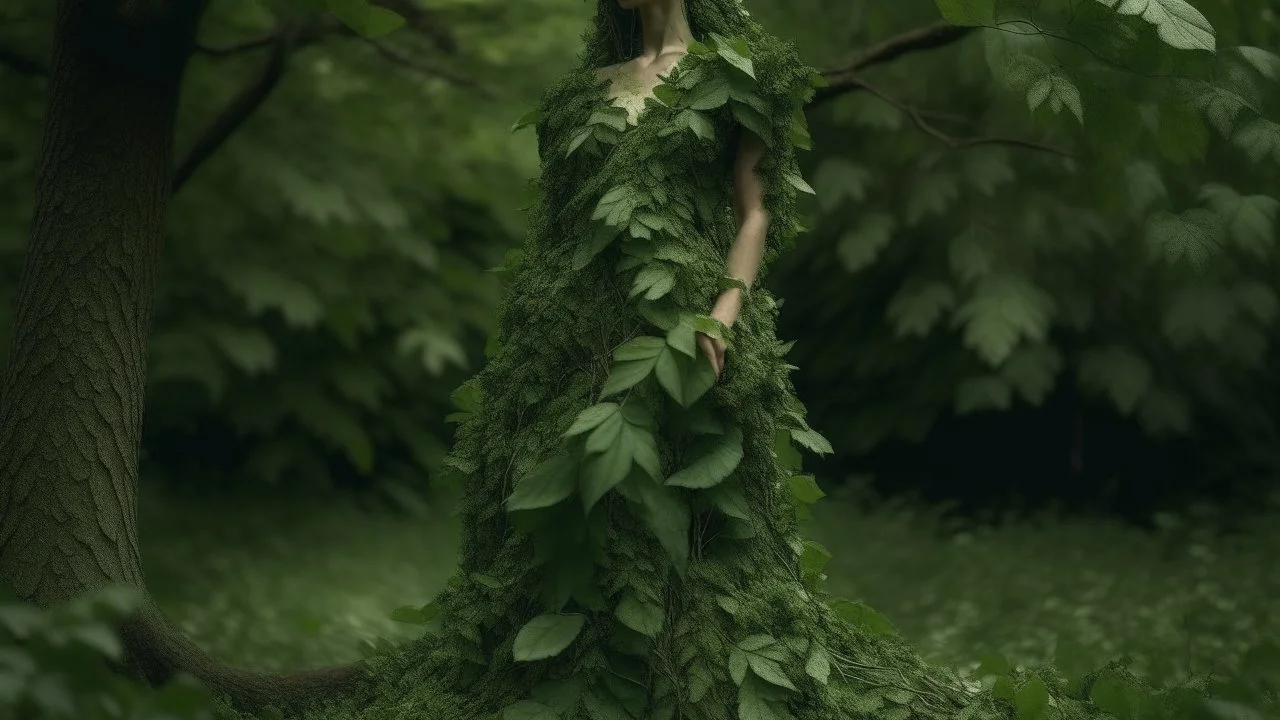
[(629, 523)]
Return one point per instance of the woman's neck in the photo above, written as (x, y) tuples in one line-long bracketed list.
[(664, 29)]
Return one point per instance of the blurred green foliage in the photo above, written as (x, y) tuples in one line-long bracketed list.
[(323, 289), (55, 664)]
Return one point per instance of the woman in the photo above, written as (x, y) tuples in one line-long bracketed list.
[(629, 511)]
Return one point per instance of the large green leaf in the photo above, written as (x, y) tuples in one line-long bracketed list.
[(547, 636), (550, 482), (1004, 310), (711, 460), (1177, 22)]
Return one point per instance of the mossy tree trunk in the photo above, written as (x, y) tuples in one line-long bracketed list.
[(72, 399)]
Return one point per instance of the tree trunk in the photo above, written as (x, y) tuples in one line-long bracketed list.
[(71, 402)]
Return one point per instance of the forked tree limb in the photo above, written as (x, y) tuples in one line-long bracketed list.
[(846, 78), (237, 111), (921, 121)]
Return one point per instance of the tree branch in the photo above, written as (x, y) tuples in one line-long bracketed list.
[(918, 117), (845, 79), (417, 65), (22, 63), (238, 110), (156, 651), (422, 21)]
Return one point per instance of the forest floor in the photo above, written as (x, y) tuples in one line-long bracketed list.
[(293, 581)]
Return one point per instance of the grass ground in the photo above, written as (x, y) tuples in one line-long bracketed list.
[(284, 582)]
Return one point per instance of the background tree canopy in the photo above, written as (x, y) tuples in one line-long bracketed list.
[(1068, 209)]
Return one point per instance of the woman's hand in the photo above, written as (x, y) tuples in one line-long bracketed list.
[(726, 311), (713, 348)]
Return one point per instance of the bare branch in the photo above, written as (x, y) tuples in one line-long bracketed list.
[(419, 20), (22, 63), (418, 65), (238, 110), (845, 79), (918, 117)]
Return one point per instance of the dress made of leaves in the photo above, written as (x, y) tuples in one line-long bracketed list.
[(630, 545)]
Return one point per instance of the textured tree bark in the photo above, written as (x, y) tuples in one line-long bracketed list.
[(72, 394), (71, 402)]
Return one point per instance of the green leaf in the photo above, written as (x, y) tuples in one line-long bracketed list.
[(730, 500), (408, 614), (248, 348), (1122, 374), (371, 21), (684, 378), (987, 392), (738, 54), (714, 458), (862, 616), (755, 704), (969, 256), (1032, 700), (1195, 235), (804, 489), (968, 12), (639, 614), (590, 418), (861, 244), (698, 123), (1033, 370), (682, 338), (753, 120), (626, 375), (529, 710), (614, 117), (769, 670), (644, 347), (1198, 313), (1178, 23), (836, 179), (612, 457), (709, 94), (1265, 62), (916, 308), (667, 516), (818, 666), (1059, 91), (1258, 138), (931, 195), (547, 636), (814, 558), (553, 480), (1004, 310), (798, 182), (654, 280), (533, 117), (1250, 220)]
